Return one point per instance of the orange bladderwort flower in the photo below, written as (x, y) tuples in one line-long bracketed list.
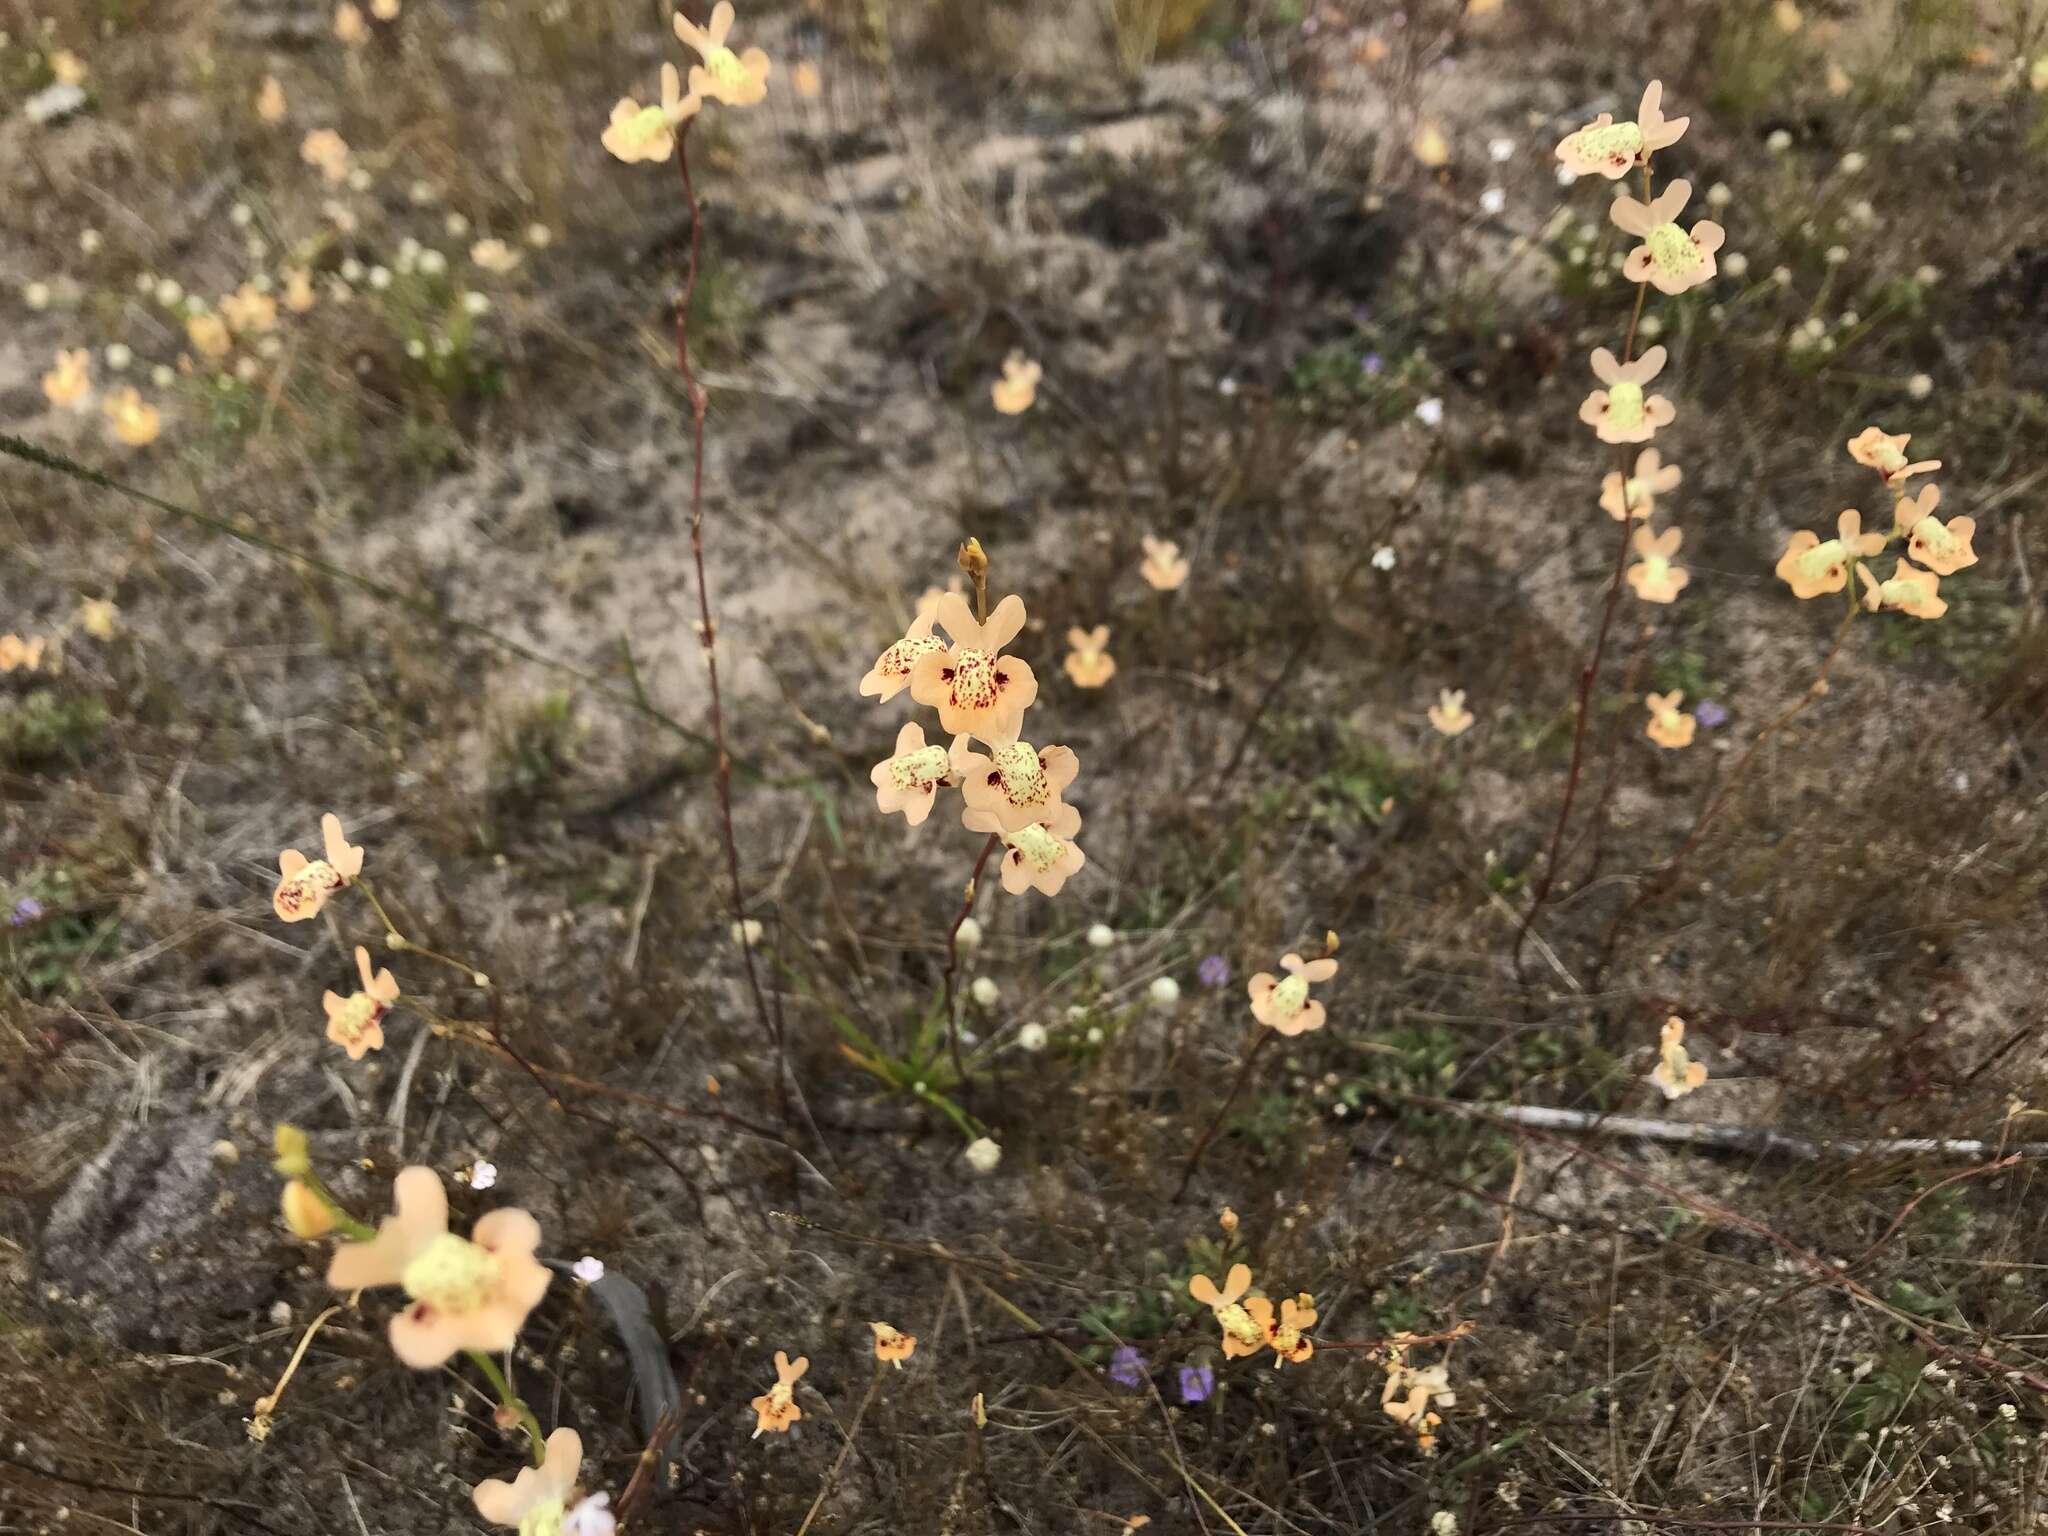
[(1676, 1074), (1669, 726), (1669, 259), (775, 1410), (1604, 147), (1042, 856), (1448, 715), (1637, 495), (1164, 569), (24, 654), (1014, 392), (1089, 664), (636, 133), (1288, 1337), (976, 689), (132, 420), (326, 151), (890, 674), (1944, 548), (909, 779), (1811, 566), (1654, 577), (1875, 448), (1010, 787), (1622, 413), (533, 1502), (306, 885), (1284, 1006), (467, 1293), (892, 1344), (69, 384), (1242, 1335), (738, 80), (1909, 591), (356, 1023), (1408, 1393)]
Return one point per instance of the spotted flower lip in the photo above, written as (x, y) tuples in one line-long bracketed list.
[(1089, 664), (1669, 259), (892, 1344), (1676, 1073), (1014, 393), (535, 1488), (1622, 413), (636, 133), (1669, 726), (356, 1023), (1287, 1336), (976, 689), (1885, 452), (1811, 566), (1042, 856), (1604, 147), (1636, 496), (738, 80), (1944, 548), (1284, 1006), (1908, 591), (1165, 568), (909, 779), (1011, 787), (306, 886), (1654, 578), (776, 1409), (471, 1293), (890, 674)]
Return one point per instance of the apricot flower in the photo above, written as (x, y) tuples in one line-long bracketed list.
[(1877, 449), (1654, 577), (327, 151), (1285, 1006), (356, 1023), (348, 25), (306, 885), (638, 133), (1811, 566), (1669, 259), (1288, 1337), (1944, 548), (738, 80), (1089, 664), (1637, 495), (1909, 591), (1242, 1334), (248, 308), (1042, 856), (976, 689), (1676, 1074), (495, 256), (1010, 787), (1604, 147), (69, 384), (1669, 726), (1448, 714), (909, 779), (1622, 413), (132, 421), (533, 1502), (775, 1410), (467, 1293), (208, 332), (1164, 568), (1407, 1396), (1015, 391), (298, 290), (270, 102), (893, 1345), (890, 674), (17, 652)]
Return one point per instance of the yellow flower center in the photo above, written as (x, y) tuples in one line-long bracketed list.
[(543, 1520), (1635, 492), (920, 769), (726, 68), (974, 679), (1933, 535), (1672, 250), (1656, 570), (1290, 997), (647, 126), (1625, 404), (1903, 592), (1821, 560), (1617, 141), (1024, 781), (1040, 849), (1667, 721), (1237, 1322), (453, 1275), (356, 1015)]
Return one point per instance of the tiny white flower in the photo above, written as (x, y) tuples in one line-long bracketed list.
[(1927, 276), (969, 934), (1499, 150), (1920, 386), (539, 236), (1848, 320), (1101, 936), (1443, 1523), (119, 357), (1851, 163), (1383, 558), (1431, 412), (1226, 386), (421, 194), (1033, 1037), (241, 215), (456, 225), (168, 292), (1566, 175), (589, 1269), (1835, 255), (476, 303), (162, 376), (984, 992), (280, 1313), (482, 1174), (359, 180), (433, 262), (408, 253), (89, 241), (1735, 264), (351, 270), (1718, 195), (1651, 327), (983, 1155), (247, 369), (380, 278), (1863, 212), (748, 933), (591, 1517), (415, 349), (1164, 992), (1492, 200), (1782, 276), (1094, 1035), (1779, 141)]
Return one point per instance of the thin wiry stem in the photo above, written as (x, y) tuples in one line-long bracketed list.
[(1244, 1072), (707, 632), (953, 956)]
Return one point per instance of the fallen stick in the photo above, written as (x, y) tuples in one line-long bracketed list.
[(1748, 1138)]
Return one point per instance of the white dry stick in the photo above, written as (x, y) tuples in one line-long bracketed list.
[(1748, 1138)]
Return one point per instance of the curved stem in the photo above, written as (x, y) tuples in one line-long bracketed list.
[(1244, 1071), (513, 1402)]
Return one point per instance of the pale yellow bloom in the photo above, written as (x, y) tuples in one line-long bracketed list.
[(270, 102), (495, 256), (356, 1022), (1448, 714), (69, 384), (1669, 726), (1164, 569), (248, 308), (349, 26), (775, 1410), (327, 151), (1014, 392), (1622, 412), (738, 80), (1654, 577), (1676, 1073), (638, 133), (385, 10), (535, 1500), (209, 334), (132, 421), (96, 617), (1430, 146), (67, 68)]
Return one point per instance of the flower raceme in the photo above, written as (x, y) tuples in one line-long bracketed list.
[(1283, 1005), (356, 1023), (466, 1293), (1249, 1322), (1604, 147), (307, 885), (1622, 412)]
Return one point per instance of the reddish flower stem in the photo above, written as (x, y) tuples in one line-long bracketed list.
[(953, 957), (707, 633)]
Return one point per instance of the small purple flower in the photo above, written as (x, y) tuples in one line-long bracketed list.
[(1214, 971), (26, 911), (1196, 1383), (1127, 1367), (1372, 363), (1710, 714)]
